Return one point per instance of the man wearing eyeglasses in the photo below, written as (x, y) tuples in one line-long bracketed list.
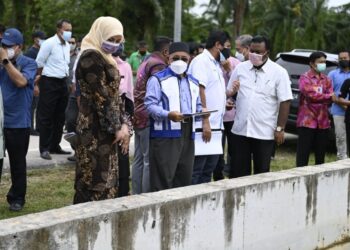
[(170, 95)]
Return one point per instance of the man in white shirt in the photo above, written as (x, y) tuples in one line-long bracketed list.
[(262, 108), (53, 69), (206, 68)]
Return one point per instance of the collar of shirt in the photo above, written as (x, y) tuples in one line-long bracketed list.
[(265, 68), (210, 56), (58, 40), (312, 74)]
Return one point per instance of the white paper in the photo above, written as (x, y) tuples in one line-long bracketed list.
[(214, 147)]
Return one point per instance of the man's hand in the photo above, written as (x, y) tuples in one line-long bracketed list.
[(175, 116), (229, 104), (122, 137), (206, 136), (36, 90), (227, 66), (235, 87), (3, 54), (279, 137)]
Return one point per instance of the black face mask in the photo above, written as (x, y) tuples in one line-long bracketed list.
[(344, 64), (226, 52)]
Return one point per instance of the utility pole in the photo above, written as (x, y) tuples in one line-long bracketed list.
[(177, 20)]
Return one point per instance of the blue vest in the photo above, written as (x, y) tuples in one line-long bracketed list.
[(170, 101)]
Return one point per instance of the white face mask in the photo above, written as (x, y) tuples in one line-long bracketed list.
[(240, 56), (178, 67), (10, 53), (72, 47)]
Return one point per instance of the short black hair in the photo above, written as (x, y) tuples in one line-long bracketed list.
[(38, 34), (193, 47), (216, 36), (262, 39), (160, 42), (344, 51), (61, 22), (315, 55), (142, 44)]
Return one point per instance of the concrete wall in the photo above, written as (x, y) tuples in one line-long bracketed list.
[(305, 208)]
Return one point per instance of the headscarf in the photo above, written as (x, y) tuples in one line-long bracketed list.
[(101, 30)]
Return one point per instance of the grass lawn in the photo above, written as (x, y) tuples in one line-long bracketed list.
[(53, 188)]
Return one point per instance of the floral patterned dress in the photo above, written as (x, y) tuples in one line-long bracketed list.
[(101, 114)]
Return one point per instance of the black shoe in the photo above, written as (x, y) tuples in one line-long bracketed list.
[(15, 207), (46, 155), (71, 158), (60, 151)]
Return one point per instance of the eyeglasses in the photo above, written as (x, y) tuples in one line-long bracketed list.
[(183, 58), (71, 42)]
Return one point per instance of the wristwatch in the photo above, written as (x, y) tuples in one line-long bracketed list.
[(5, 61), (279, 129)]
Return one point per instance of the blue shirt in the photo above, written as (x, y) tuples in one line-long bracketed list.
[(32, 52), (153, 96), (338, 77), (18, 101), (54, 58)]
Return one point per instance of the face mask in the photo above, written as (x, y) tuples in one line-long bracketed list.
[(72, 47), (67, 35), (256, 59), (142, 53), (178, 67), (10, 53), (240, 56), (119, 51), (344, 64), (320, 67), (226, 52), (109, 47)]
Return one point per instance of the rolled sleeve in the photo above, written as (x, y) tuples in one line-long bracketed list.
[(153, 100), (29, 71), (284, 89), (197, 70), (43, 54)]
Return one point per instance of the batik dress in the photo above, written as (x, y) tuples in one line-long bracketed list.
[(101, 114)]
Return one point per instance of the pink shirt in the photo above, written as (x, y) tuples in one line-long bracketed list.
[(315, 96), (230, 114), (126, 83)]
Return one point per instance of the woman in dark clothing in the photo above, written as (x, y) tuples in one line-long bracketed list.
[(102, 121)]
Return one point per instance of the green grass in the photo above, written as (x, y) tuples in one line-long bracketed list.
[(53, 188), (46, 189)]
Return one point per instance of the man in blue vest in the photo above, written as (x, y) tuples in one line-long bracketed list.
[(171, 94)]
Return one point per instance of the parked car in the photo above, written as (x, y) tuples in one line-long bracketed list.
[(296, 62)]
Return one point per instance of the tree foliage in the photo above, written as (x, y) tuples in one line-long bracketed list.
[(288, 23)]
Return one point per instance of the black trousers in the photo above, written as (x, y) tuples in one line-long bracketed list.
[(34, 127), (124, 173), (243, 150), (16, 143), (72, 111), (308, 139), (347, 129), (171, 160), (51, 111), (1, 166), (217, 174)]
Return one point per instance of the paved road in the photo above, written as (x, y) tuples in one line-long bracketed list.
[(34, 160)]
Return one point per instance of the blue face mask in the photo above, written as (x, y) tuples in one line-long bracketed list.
[(109, 47), (67, 35)]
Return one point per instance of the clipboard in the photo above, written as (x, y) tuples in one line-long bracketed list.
[(200, 113)]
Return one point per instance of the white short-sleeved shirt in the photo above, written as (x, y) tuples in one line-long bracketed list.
[(54, 58), (258, 98), (208, 72)]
